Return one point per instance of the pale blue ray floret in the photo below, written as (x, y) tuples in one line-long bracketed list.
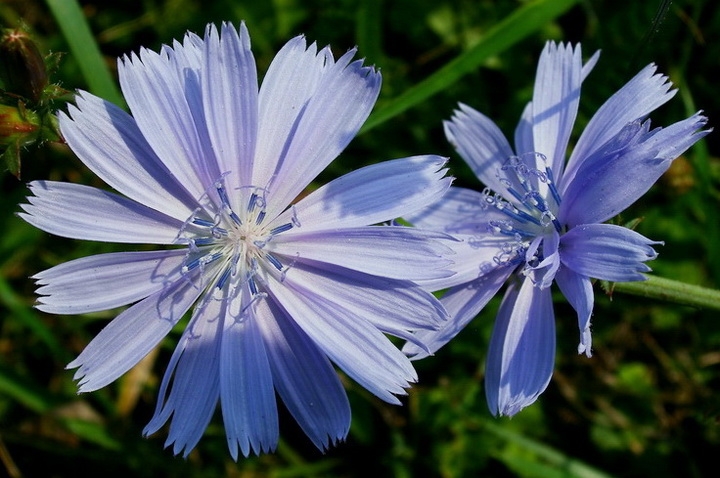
[(210, 164), (540, 220)]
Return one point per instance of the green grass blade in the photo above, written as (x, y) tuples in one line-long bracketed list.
[(24, 392), (43, 402), (97, 433), (514, 28), (28, 318), (369, 30), (85, 49), (546, 458)]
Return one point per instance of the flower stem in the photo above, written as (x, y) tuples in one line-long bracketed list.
[(671, 291)]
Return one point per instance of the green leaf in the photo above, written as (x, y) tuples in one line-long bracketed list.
[(11, 158), (85, 49), (514, 28)]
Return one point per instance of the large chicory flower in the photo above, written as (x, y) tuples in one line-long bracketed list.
[(539, 221), (211, 165)]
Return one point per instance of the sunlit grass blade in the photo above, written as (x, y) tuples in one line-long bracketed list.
[(84, 48), (369, 30), (514, 28)]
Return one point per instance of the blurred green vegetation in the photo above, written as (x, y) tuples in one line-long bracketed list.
[(644, 405)]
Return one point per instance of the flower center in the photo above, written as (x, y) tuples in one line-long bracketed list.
[(231, 246), (528, 207)]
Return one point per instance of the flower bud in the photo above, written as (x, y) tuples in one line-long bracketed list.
[(16, 123), (22, 68), (18, 128)]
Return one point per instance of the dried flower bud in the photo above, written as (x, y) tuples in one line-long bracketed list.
[(22, 68)]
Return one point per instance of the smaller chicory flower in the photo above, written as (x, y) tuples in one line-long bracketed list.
[(540, 220)]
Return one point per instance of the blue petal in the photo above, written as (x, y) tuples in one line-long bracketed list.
[(230, 96), (555, 102), (464, 214), (371, 195), (194, 371), (132, 335), (304, 378), (186, 61), (91, 283), (460, 211), (544, 271), (474, 255), (389, 251), (290, 81), (524, 142), (463, 303), (246, 383), (607, 252), (623, 169), (109, 142), (394, 306), (589, 65), (329, 120), (524, 131), (83, 212), (481, 144), (577, 289), (635, 100), (522, 349), (155, 90), (348, 339)]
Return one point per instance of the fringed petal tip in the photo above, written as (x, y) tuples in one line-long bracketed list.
[(509, 405), (329, 441), (85, 380), (81, 378), (178, 447), (39, 305), (335, 441), (509, 410), (417, 350), (237, 448), (585, 345)]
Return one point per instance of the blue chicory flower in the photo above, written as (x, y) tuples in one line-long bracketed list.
[(210, 164), (539, 221)]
